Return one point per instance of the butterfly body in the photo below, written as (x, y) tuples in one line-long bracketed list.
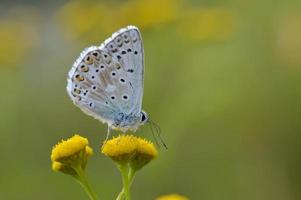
[(106, 81)]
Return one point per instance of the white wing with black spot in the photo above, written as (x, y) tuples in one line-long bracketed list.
[(126, 46)]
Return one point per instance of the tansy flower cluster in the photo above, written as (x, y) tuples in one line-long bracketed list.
[(130, 154), (68, 155), (172, 197), (130, 149)]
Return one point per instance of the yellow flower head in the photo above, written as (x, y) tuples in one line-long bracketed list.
[(208, 24), (130, 149), (67, 155), (172, 197)]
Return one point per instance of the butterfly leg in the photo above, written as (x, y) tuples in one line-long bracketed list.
[(108, 134)]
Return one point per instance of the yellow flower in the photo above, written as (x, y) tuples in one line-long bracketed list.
[(130, 153), (130, 149), (287, 41), (80, 18), (91, 20), (16, 42), (150, 13), (172, 197), (208, 24), (68, 155)]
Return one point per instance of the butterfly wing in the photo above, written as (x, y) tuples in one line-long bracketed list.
[(107, 80), (126, 46)]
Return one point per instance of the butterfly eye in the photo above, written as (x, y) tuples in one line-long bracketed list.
[(84, 68), (88, 60), (118, 41), (143, 116)]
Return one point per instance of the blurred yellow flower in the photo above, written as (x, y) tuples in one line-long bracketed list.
[(16, 41), (69, 154), (172, 197), (130, 149), (80, 18), (19, 35), (91, 20), (288, 38), (203, 24), (148, 13)]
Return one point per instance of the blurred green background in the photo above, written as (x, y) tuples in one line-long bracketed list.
[(222, 80)]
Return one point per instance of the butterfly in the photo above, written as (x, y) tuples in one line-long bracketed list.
[(106, 81)]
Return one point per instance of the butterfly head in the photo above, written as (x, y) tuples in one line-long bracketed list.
[(143, 118), (124, 122)]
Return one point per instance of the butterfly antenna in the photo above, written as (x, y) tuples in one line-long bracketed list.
[(153, 133), (159, 135), (158, 132)]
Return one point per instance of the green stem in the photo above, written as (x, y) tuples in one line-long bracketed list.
[(82, 179), (123, 168), (127, 174), (127, 188), (121, 195), (131, 175)]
